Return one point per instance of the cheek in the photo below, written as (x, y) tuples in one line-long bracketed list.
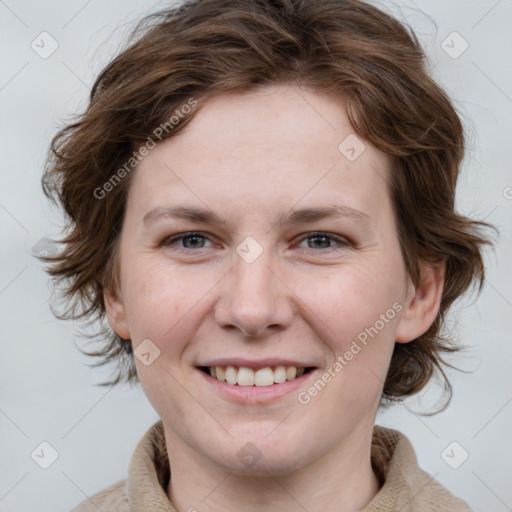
[(159, 298), (356, 315), (160, 308), (356, 311), (351, 299)]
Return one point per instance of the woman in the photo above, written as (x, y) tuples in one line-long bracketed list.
[(261, 206)]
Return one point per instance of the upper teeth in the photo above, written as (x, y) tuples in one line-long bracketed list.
[(244, 376)]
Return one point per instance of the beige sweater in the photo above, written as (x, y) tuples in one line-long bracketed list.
[(404, 486)]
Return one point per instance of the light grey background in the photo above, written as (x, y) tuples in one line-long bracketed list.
[(47, 392)]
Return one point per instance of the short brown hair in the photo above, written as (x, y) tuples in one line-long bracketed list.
[(200, 48)]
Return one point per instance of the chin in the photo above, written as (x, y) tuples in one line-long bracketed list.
[(267, 465), (261, 456)]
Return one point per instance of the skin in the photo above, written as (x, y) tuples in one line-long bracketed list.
[(248, 157)]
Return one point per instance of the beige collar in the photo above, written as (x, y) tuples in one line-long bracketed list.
[(405, 487)]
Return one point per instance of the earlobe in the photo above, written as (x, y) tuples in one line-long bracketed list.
[(116, 313), (422, 304)]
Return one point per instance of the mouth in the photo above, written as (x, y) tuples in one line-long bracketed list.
[(244, 376)]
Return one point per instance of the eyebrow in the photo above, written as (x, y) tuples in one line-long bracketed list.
[(298, 216)]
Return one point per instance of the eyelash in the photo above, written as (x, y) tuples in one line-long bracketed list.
[(316, 234)]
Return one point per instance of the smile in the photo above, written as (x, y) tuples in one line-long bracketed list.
[(265, 376)]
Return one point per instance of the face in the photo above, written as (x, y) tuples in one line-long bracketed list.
[(294, 258)]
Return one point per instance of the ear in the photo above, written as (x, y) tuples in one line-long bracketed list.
[(116, 312), (422, 304)]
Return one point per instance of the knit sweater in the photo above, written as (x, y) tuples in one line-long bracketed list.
[(404, 486)]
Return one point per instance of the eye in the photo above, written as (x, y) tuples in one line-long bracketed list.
[(323, 241), (195, 240), (190, 240)]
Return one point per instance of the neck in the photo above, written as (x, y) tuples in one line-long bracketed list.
[(342, 480)]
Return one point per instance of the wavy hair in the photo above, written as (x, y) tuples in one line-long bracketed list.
[(200, 48)]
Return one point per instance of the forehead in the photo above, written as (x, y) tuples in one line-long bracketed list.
[(277, 145)]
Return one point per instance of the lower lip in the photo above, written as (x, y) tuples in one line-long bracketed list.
[(256, 394)]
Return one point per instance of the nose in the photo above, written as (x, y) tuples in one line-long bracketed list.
[(254, 298)]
